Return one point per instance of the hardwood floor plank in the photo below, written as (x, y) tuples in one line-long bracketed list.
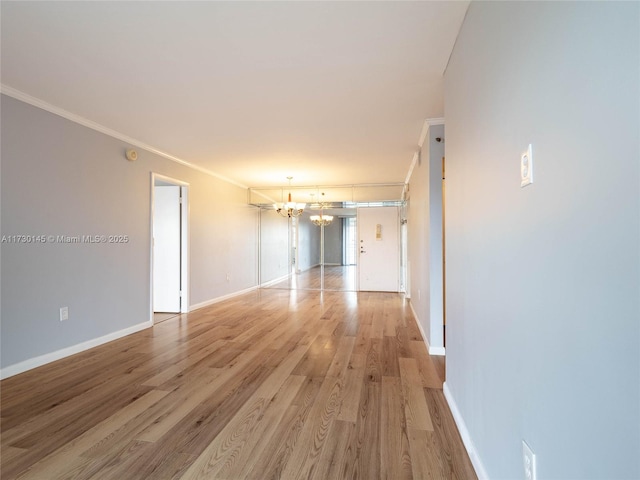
[(272, 384), (262, 435), (204, 423), (354, 381), (409, 371), (428, 373), (274, 456), (425, 461), (394, 444), (448, 442), (367, 447), (340, 361), (56, 462), (332, 462), (390, 367), (179, 368), (373, 367), (362, 339), (416, 411), (227, 444), (192, 395), (305, 455)]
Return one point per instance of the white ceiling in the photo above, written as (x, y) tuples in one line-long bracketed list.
[(331, 93)]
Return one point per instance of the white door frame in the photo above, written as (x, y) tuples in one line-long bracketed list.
[(184, 241)]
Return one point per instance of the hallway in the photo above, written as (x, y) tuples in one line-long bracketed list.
[(271, 384)]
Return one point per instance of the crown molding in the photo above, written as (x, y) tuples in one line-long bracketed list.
[(423, 135), (425, 128), (413, 165), (36, 102)]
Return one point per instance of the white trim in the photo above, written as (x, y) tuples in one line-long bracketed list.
[(184, 240), (206, 303), (478, 466), (439, 351), (413, 165), (35, 362), (275, 280), (36, 102), (424, 133), (423, 136), (298, 272), (429, 122)]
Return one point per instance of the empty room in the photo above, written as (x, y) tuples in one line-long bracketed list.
[(320, 240)]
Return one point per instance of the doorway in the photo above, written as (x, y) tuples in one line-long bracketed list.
[(379, 254), (444, 266), (169, 248)]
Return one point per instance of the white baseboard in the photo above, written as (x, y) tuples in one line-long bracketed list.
[(439, 351), (32, 363), (206, 303), (274, 281), (310, 267), (464, 433)]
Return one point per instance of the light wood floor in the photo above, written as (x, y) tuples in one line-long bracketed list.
[(336, 277), (274, 384)]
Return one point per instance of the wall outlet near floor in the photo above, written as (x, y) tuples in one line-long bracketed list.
[(529, 460), (64, 313)]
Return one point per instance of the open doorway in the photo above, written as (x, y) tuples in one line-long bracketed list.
[(169, 248)]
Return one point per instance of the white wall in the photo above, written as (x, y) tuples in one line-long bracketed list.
[(60, 178), (543, 282), (424, 214), (274, 246)]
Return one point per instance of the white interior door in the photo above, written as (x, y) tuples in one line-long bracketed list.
[(379, 252), (166, 249)]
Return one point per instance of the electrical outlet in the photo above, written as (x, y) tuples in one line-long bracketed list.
[(64, 313), (228, 278), (529, 459)]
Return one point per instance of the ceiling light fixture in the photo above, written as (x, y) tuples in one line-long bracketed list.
[(321, 220), (289, 208)]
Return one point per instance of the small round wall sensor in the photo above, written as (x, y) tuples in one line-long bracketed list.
[(132, 155)]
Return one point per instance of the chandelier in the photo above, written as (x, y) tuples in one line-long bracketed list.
[(289, 208), (321, 220)]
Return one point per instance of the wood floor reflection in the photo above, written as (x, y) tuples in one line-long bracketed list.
[(340, 278)]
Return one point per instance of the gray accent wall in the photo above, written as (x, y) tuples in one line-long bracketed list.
[(61, 178), (333, 242), (543, 282), (308, 243), (424, 215)]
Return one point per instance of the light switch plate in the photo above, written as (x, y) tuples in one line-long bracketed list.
[(526, 167)]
